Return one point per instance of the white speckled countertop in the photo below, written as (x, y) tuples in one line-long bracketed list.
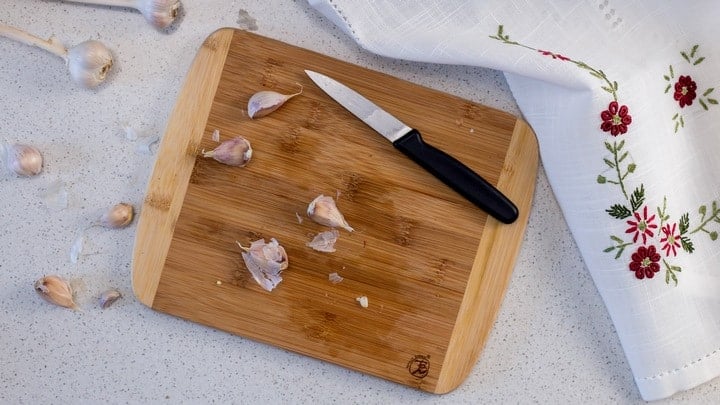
[(553, 341)]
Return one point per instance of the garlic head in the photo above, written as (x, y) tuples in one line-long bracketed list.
[(23, 160), (159, 13), (89, 63), (264, 102), (118, 216), (233, 152), (55, 290), (324, 211)]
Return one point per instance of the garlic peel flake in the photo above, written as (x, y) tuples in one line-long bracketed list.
[(265, 261), (325, 241), (264, 102), (108, 297)]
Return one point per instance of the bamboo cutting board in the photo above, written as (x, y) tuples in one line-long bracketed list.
[(433, 266)]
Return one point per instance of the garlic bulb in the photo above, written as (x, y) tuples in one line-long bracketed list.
[(265, 261), (55, 290), (264, 102), (23, 160), (233, 152), (118, 216), (89, 63), (324, 211), (159, 13)]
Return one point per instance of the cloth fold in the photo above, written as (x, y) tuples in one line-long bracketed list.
[(622, 97)]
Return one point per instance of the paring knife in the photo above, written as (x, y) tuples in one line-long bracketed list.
[(408, 140)]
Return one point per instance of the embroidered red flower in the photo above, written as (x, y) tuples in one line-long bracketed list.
[(645, 262), (642, 226), (615, 119), (553, 54), (685, 91), (671, 240)]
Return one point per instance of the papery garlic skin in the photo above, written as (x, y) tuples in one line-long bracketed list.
[(23, 160), (265, 261), (324, 211), (118, 216), (55, 290), (89, 63), (233, 152), (264, 102), (324, 241), (159, 13)]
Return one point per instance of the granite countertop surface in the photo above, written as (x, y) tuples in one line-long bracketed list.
[(553, 341)]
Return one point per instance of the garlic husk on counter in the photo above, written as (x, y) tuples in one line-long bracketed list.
[(265, 261), (324, 211), (56, 290)]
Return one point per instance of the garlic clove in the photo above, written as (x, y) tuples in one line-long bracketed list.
[(89, 63), (55, 290), (265, 261), (108, 297), (118, 216), (264, 102), (23, 160), (159, 13), (324, 211), (233, 152)]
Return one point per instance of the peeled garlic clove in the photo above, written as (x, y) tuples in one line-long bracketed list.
[(233, 152), (55, 290), (324, 211), (264, 102), (159, 13), (23, 160), (89, 63), (108, 297), (265, 261), (118, 216)]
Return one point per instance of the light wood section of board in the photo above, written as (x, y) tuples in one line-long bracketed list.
[(433, 266)]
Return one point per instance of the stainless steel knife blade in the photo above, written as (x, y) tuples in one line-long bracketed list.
[(409, 141)]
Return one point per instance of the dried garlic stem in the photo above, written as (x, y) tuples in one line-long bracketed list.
[(51, 45)]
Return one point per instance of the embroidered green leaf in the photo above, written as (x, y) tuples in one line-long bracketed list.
[(631, 167), (702, 103), (609, 147), (708, 91), (669, 86), (670, 273), (596, 74), (697, 62), (620, 145), (619, 211), (702, 210), (601, 179), (682, 121), (713, 235), (693, 50), (685, 56), (622, 157), (684, 223), (609, 163), (666, 77), (662, 212), (712, 101), (687, 244), (637, 198), (608, 89), (615, 85), (677, 124)]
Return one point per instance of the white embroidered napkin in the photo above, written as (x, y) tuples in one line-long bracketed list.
[(623, 99)]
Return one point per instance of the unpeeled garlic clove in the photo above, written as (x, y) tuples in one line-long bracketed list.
[(108, 297), (55, 290), (89, 63), (118, 216), (233, 152), (264, 102), (23, 160), (324, 211)]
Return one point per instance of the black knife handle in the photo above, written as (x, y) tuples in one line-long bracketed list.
[(458, 176)]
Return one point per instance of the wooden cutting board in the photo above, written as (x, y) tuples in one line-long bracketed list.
[(433, 266)]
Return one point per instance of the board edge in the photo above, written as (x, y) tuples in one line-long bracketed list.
[(494, 262), (168, 182)]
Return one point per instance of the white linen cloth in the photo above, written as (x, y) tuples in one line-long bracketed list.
[(622, 97)]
